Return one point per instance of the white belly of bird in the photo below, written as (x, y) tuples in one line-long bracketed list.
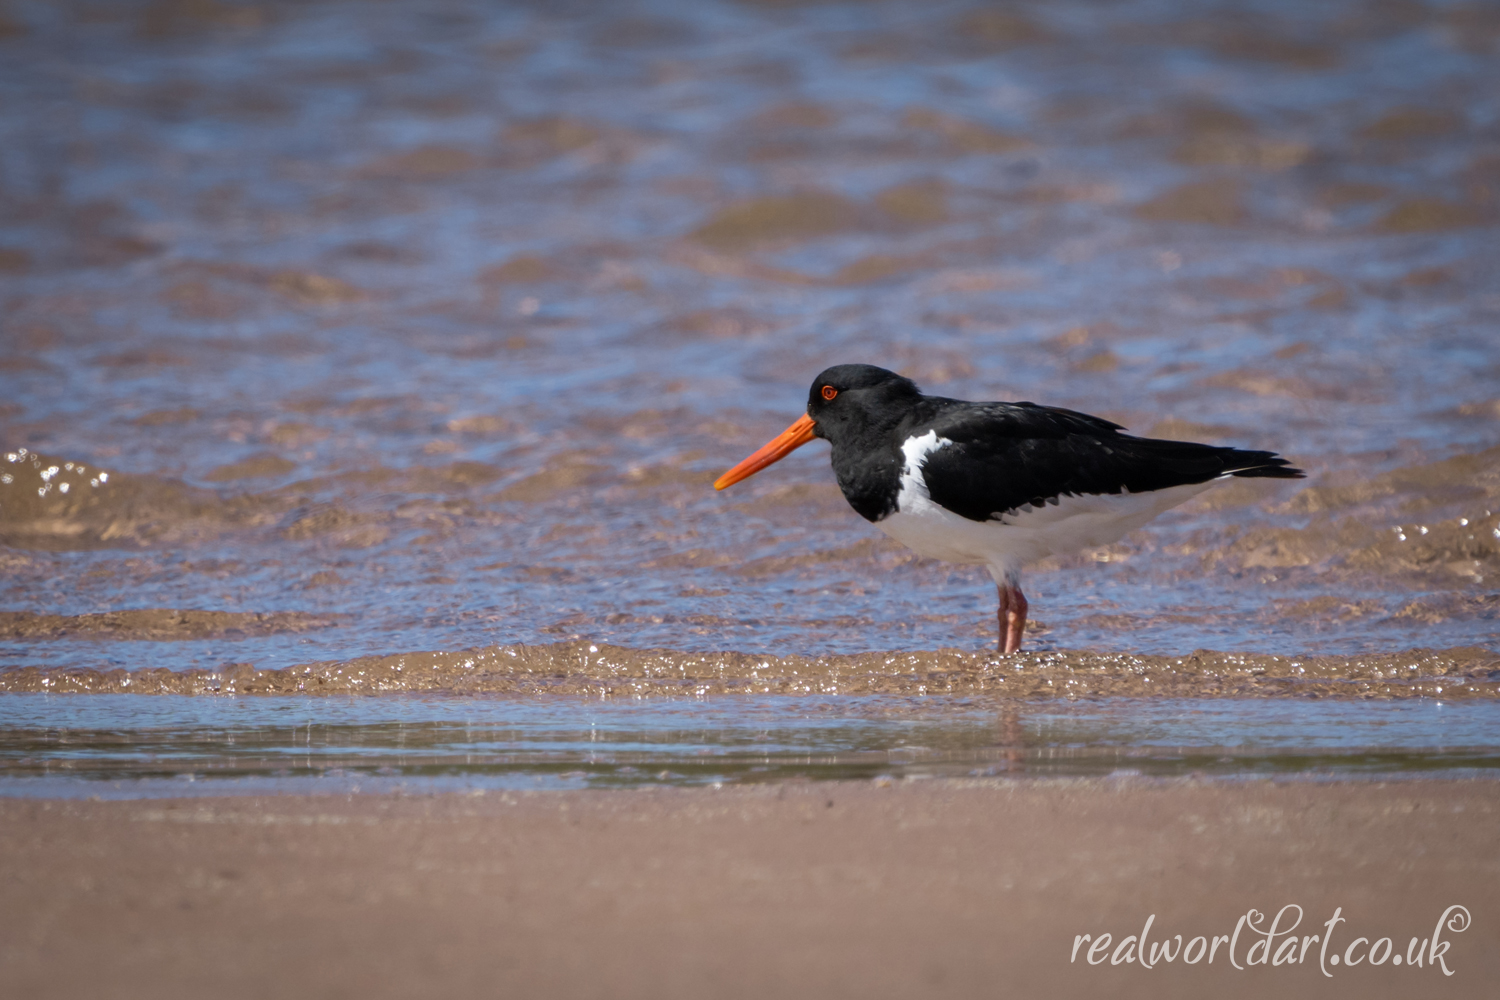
[(1025, 535)]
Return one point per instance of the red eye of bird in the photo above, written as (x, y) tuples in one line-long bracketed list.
[(829, 392)]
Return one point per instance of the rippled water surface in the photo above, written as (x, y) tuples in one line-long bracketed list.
[(334, 330)]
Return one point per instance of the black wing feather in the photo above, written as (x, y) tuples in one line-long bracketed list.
[(1004, 456)]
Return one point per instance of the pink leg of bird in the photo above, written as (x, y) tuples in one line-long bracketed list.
[(1012, 618)]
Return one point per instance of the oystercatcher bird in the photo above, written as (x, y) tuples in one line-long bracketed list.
[(997, 485)]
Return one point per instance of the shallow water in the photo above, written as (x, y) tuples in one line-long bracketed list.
[(409, 326), (119, 746)]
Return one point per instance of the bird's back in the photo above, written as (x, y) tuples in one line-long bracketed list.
[(990, 459)]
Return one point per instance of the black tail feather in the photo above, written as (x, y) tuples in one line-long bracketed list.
[(1267, 465), (1188, 462)]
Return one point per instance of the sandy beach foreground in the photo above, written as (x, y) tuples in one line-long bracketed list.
[(811, 889)]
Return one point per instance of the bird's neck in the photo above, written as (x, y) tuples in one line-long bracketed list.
[(867, 461)]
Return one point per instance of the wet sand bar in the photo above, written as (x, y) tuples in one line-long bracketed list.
[(926, 888)]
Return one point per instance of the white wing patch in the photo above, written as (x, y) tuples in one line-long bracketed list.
[(913, 484)]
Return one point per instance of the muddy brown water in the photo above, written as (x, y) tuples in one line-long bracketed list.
[(340, 336)]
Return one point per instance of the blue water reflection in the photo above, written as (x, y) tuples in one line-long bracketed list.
[(150, 746)]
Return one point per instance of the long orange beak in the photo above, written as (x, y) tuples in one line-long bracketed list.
[(774, 450)]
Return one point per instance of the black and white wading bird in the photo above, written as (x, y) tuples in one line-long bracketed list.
[(997, 485)]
